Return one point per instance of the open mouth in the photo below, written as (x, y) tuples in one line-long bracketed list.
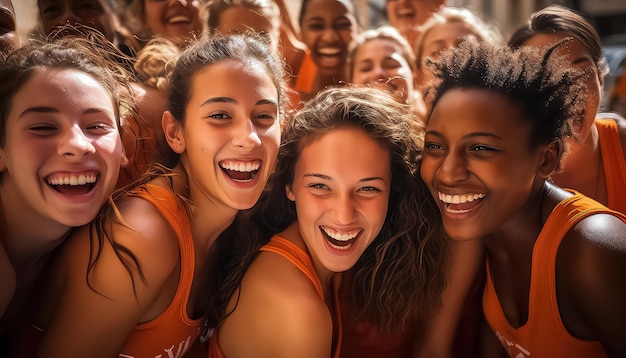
[(340, 240), (179, 20), (241, 172), (78, 184), (460, 204), (405, 13)]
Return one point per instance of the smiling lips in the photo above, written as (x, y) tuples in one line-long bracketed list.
[(73, 184), (339, 240), (459, 204), (240, 171)]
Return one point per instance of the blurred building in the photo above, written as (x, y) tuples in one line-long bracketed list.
[(608, 16)]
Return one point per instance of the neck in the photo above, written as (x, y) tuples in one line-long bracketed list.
[(26, 235), (516, 237), (208, 217)]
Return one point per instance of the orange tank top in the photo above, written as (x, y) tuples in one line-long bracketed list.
[(614, 164), (302, 261), (172, 333), (544, 334)]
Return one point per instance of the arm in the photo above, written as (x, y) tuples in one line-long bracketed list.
[(278, 314), (466, 261), (86, 323), (592, 259)]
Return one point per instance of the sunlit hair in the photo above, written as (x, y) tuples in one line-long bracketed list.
[(400, 275), (548, 92), (266, 8), (90, 53), (448, 14), (559, 19), (155, 62), (194, 60), (384, 32)]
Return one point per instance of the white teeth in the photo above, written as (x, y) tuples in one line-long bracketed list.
[(72, 180), (340, 236), (329, 51), (240, 166), (459, 199), (177, 19)]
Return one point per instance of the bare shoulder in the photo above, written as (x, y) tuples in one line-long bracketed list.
[(138, 244), (277, 313), (598, 241), (591, 266)]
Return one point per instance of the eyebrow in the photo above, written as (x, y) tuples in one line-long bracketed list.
[(467, 136), (326, 177), (55, 110), (234, 101)]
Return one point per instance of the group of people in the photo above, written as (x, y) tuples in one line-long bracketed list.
[(211, 179)]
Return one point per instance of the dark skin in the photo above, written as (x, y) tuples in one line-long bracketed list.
[(487, 156), (593, 249)]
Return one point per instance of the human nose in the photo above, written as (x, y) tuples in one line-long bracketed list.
[(453, 169), (69, 17), (344, 210), (75, 143), (329, 34), (246, 136)]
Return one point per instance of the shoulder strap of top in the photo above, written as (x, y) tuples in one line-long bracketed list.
[(297, 256)]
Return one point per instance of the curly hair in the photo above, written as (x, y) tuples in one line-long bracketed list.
[(549, 93), (400, 275)]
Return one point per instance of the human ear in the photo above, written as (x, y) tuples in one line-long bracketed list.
[(550, 158), (173, 132), (289, 193)]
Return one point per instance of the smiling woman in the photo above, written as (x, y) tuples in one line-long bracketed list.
[(59, 155), (123, 284), (547, 247), (345, 195)]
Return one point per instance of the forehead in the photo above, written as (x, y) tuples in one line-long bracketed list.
[(572, 46), (327, 8), (378, 47), (448, 31), (477, 110), (225, 78), (241, 19)]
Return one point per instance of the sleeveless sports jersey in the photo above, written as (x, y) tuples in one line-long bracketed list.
[(302, 261), (544, 334), (614, 164), (171, 333)]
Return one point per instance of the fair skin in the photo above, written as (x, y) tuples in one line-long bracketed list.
[(227, 145), (341, 190), (582, 167), (240, 19), (488, 161), (327, 29), (175, 20), (379, 63), (88, 12), (438, 38), (408, 15), (59, 162), (8, 36)]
